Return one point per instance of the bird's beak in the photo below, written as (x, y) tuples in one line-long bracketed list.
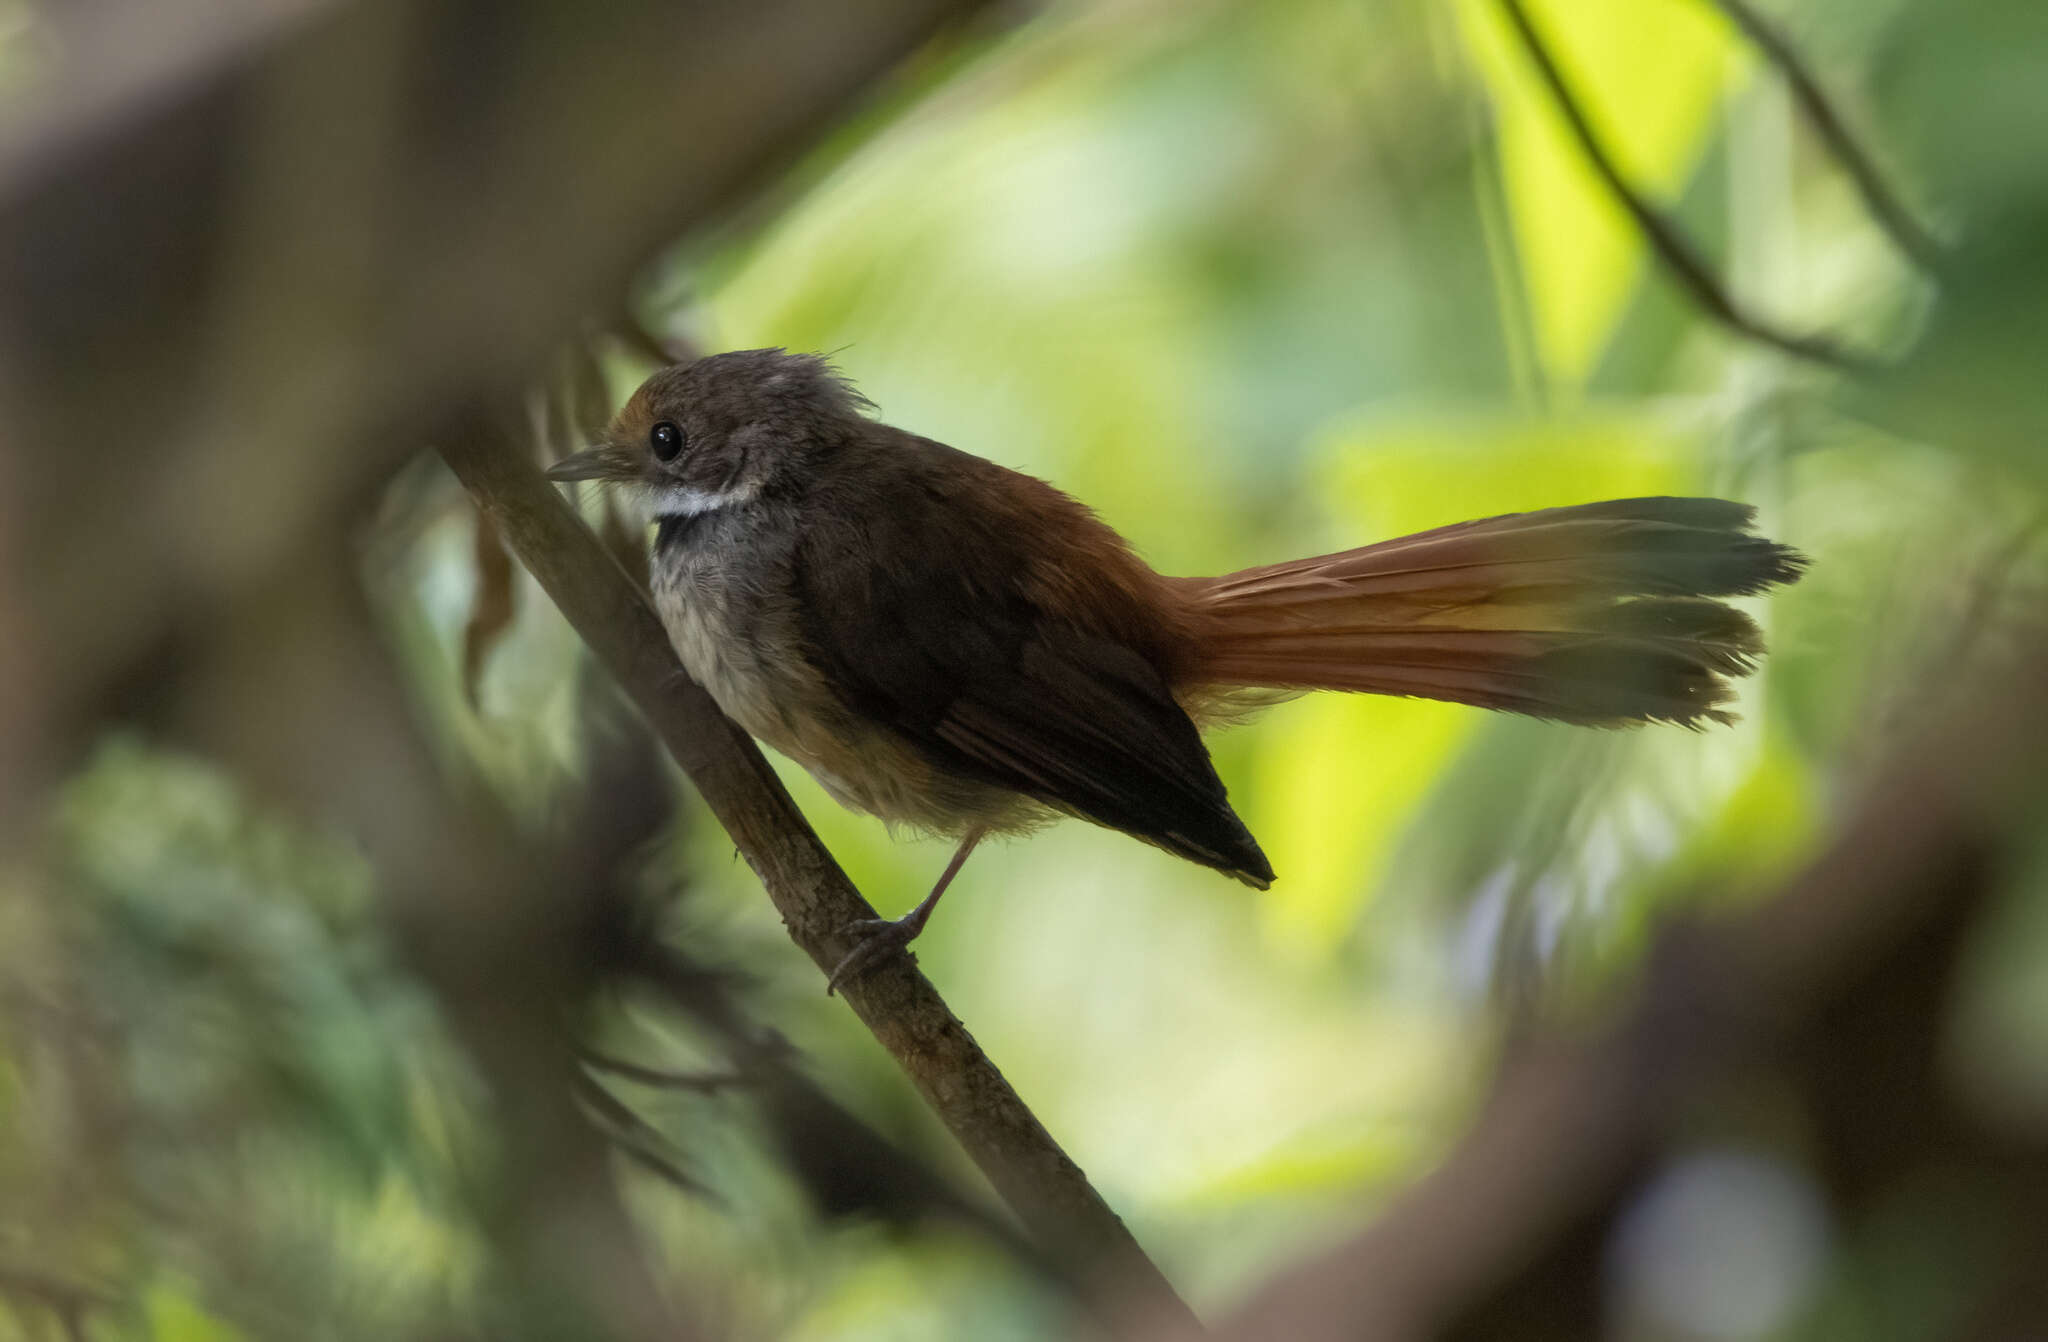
[(607, 461)]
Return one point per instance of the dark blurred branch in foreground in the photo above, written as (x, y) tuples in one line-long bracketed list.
[(130, 61), (519, 940), (1838, 984), (241, 287), (293, 690), (257, 266), (1678, 252), (1906, 232), (67, 1304), (1049, 1193)]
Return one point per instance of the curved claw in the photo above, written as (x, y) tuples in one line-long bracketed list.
[(879, 937)]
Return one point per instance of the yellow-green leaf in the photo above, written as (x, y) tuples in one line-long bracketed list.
[(1650, 77)]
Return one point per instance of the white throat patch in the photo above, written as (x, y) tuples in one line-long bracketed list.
[(684, 501)]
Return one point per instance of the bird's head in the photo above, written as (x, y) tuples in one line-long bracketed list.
[(721, 430)]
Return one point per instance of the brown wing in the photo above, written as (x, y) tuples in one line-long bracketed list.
[(915, 608)]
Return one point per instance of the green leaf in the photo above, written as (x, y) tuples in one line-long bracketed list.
[(1650, 78)]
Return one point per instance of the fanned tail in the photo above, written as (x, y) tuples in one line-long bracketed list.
[(1601, 614)]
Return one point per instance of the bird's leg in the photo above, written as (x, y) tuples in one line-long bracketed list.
[(880, 936)]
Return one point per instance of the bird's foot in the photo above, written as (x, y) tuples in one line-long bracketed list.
[(879, 938)]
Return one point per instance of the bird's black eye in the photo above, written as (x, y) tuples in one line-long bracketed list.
[(666, 440)]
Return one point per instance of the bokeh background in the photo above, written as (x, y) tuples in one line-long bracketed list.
[(1253, 280)]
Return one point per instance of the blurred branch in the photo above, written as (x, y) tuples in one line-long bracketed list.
[(298, 231), (283, 250), (660, 1078), (1049, 1193), (1838, 981), (638, 1139), (65, 1302), (490, 607), (1678, 252), (644, 341), (846, 1166), (292, 688), (1974, 607), (126, 61), (296, 249), (1906, 232)]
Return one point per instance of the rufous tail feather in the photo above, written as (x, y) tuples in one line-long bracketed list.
[(1603, 614)]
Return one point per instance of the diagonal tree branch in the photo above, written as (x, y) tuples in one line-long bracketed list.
[(1906, 232), (1049, 1193), (165, 244), (1678, 252)]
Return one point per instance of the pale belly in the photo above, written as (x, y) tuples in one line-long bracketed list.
[(744, 643)]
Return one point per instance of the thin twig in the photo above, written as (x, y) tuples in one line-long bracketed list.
[(1665, 237), (38, 1288), (704, 1083), (632, 331), (1906, 232), (636, 1138)]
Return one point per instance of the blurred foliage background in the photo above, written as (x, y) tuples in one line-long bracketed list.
[(1254, 280)]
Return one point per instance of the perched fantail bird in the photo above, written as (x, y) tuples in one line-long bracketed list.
[(946, 643)]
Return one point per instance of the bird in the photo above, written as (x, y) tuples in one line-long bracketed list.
[(964, 650)]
